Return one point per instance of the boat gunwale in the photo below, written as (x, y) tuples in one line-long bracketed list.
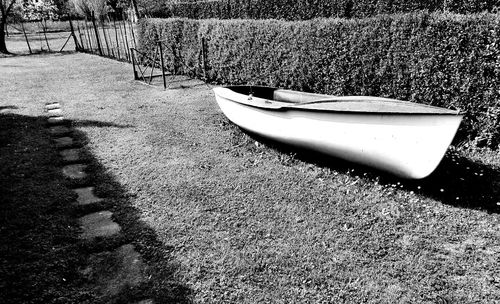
[(286, 106)]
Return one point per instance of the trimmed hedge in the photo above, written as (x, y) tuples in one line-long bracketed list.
[(440, 59), (309, 9)]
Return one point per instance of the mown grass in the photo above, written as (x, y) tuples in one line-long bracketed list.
[(42, 259), (233, 218)]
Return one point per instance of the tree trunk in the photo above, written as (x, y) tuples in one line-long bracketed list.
[(3, 46)]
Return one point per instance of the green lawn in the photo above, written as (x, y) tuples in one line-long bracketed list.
[(221, 218)]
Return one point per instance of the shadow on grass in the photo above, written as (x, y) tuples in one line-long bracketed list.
[(35, 52), (8, 108), (175, 82), (98, 124), (457, 181), (41, 256)]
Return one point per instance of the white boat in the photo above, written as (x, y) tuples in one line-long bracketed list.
[(403, 138)]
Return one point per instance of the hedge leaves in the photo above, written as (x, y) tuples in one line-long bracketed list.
[(445, 60)]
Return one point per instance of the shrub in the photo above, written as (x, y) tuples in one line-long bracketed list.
[(439, 59), (308, 9)]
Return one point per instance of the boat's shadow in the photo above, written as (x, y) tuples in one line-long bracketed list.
[(457, 181)]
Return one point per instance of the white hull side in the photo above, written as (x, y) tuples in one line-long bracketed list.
[(409, 146)]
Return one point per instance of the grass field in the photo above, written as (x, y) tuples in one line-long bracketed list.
[(223, 217)]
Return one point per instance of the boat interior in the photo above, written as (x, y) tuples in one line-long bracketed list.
[(321, 102), (279, 95)]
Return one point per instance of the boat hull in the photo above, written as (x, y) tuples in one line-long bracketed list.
[(409, 146)]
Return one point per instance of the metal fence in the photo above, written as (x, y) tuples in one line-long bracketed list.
[(39, 36), (117, 39), (149, 66), (108, 37)]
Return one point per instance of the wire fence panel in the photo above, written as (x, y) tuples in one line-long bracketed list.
[(39, 36), (109, 38)]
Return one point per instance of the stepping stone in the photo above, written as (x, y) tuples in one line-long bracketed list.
[(98, 224), (148, 301), (86, 196), (59, 130), (74, 171), (116, 271), (63, 142), (56, 120), (52, 106), (55, 112), (70, 155)]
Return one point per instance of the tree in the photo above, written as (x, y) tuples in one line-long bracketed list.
[(102, 8), (40, 10), (5, 10), (87, 7)]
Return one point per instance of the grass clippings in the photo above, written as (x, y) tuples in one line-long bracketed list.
[(224, 217)]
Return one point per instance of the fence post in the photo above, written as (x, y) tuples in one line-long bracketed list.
[(88, 36), (106, 33), (136, 77), (105, 39), (97, 35), (26, 37), (77, 46), (133, 34), (162, 66), (44, 27), (81, 37), (116, 36), (125, 31), (123, 41), (204, 57)]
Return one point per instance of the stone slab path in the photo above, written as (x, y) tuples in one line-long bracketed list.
[(56, 120), (75, 172), (64, 142), (114, 271), (110, 272), (59, 130), (98, 224), (148, 301), (86, 196), (70, 155), (53, 106), (54, 112)]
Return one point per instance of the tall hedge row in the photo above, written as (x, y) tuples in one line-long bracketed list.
[(440, 59), (308, 9)]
